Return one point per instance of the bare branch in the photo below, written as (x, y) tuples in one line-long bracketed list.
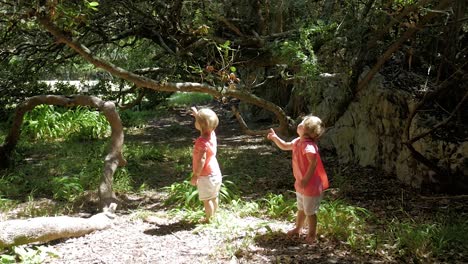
[(245, 129), (455, 110), (144, 82), (387, 54)]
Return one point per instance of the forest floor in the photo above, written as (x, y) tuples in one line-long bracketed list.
[(159, 237)]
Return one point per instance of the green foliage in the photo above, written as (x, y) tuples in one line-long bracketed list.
[(136, 119), (150, 153), (49, 122), (450, 235), (63, 88), (301, 53), (7, 259), (279, 207), (15, 93), (11, 184), (404, 2), (29, 255), (66, 188), (313, 36), (183, 195), (53, 169), (343, 222), (188, 99), (5, 203), (420, 241), (228, 192), (92, 5), (246, 208), (155, 98), (123, 182), (103, 89), (412, 240)]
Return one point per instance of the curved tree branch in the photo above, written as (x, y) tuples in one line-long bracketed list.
[(114, 157), (137, 101), (148, 83), (442, 123), (388, 53), (244, 126)]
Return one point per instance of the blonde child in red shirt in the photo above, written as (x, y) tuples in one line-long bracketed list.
[(308, 170), (206, 172)]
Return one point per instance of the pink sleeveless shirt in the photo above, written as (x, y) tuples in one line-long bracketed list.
[(319, 180), (209, 146)]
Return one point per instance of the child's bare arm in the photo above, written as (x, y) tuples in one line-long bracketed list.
[(278, 141)]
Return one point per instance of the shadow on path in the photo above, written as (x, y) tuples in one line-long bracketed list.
[(162, 230)]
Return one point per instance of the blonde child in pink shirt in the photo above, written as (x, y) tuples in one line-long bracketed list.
[(311, 178), (206, 172)]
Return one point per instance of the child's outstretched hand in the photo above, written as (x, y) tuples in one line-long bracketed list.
[(271, 134), (194, 110)]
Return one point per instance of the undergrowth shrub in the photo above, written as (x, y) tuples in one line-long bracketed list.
[(66, 188), (183, 195), (136, 119), (277, 206), (418, 241), (343, 222), (50, 122)]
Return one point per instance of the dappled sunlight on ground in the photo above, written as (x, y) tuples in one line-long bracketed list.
[(159, 155)]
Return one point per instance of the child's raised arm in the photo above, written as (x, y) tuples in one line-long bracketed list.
[(194, 110), (278, 141)]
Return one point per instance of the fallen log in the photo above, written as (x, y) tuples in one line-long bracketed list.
[(44, 229)]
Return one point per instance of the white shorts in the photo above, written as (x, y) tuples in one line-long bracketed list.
[(208, 187), (309, 204)]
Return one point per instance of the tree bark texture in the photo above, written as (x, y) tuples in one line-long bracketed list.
[(113, 159), (43, 229)]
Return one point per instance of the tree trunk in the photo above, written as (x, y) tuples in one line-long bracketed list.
[(43, 229), (112, 160)]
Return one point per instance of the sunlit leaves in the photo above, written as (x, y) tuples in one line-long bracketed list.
[(44, 122), (92, 5)]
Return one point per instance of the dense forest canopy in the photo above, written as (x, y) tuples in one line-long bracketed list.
[(212, 46)]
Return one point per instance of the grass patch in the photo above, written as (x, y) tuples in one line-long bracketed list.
[(188, 98), (183, 195), (138, 119), (344, 222)]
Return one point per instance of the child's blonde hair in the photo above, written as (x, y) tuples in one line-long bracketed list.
[(313, 127), (207, 119)]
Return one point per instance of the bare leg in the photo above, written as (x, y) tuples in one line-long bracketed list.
[(215, 205), (312, 223), (300, 217), (209, 209)]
